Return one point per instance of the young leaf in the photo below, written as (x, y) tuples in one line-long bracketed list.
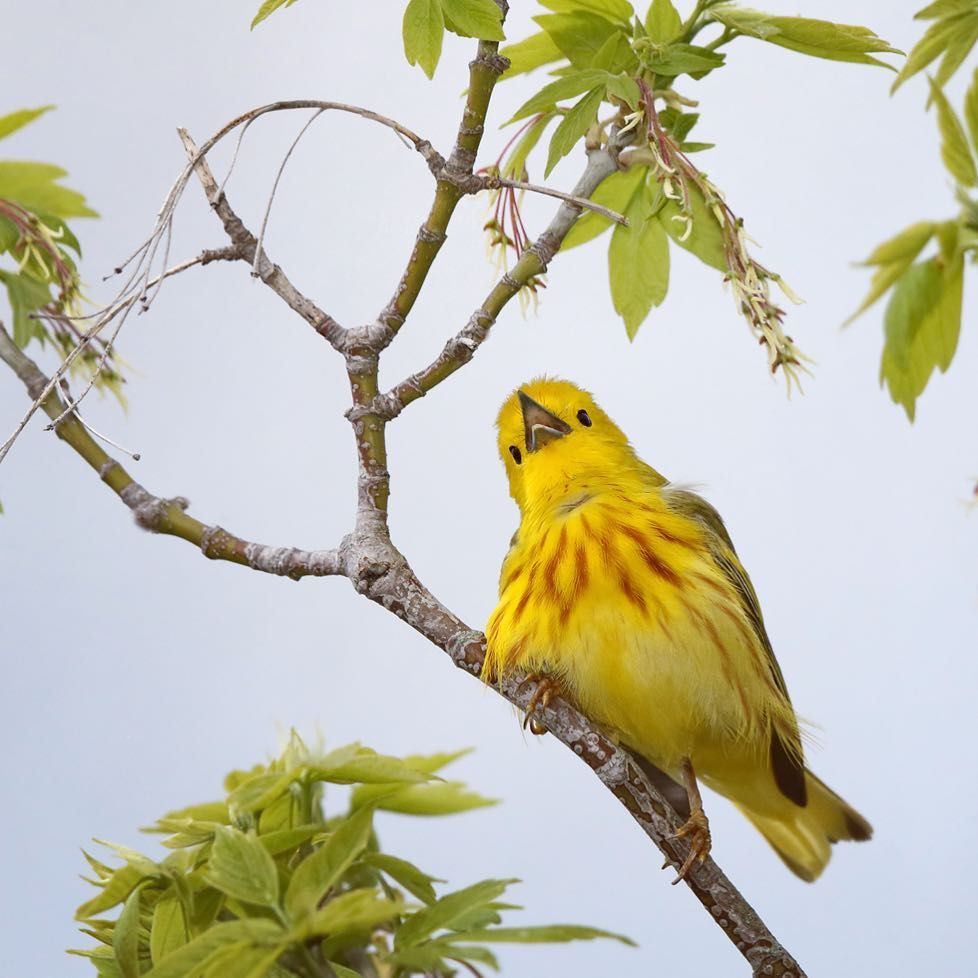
[(26, 295), (440, 798), (353, 911), (570, 86), (954, 144), (574, 124), (407, 874), (35, 186), (536, 50), (936, 40), (366, 768), (242, 961), (662, 22), (189, 959), (122, 882), (474, 18), (921, 326), (17, 120), (578, 35), (817, 38), (614, 192), (447, 911), (971, 110), (323, 868), (267, 9), (681, 59), (125, 937), (958, 49), (638, 264), (547, 934), (169, 928), (241, 867), (423, 30), (620, 11)]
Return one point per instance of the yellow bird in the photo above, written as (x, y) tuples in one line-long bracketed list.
[(624, 592)]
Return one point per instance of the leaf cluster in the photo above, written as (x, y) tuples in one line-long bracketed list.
[(266, 883), (922, 321), (42, 284), (614, 69)]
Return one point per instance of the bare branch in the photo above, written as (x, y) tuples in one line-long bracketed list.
[(154, 513), (252, 252)]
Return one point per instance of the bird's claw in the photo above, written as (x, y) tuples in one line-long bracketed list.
[(697, 830), (547, 689)]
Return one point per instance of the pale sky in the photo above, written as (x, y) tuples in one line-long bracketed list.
[(136, 672)]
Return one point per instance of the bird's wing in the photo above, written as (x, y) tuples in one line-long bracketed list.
[(786, 751)]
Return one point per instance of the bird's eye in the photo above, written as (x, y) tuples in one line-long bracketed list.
[(583, 417), (515, 452)]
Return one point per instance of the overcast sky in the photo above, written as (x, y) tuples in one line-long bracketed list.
[(136, 672)]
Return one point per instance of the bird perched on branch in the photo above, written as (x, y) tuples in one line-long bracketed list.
[(625, 593)]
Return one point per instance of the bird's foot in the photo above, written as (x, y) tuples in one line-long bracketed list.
[(697, 830), (547, 689)]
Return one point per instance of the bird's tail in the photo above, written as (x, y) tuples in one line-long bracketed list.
[(803, 836)]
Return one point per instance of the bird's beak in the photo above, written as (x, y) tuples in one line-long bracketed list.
[(539, 425)]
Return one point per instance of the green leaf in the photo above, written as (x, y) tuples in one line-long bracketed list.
[(971, 110), (241, 867), (529, 54), (614, 192), (547, 934), (934, 42), (26, 295), (366, 768), (616, 56), (680, 59), (169, 928), (954, 144), (816, 38), (423, 30), (705, 238), (570, 86), (119, 885), (892, 259), (324, 867), (282, 840), (903, 246), (407, 874), (662, 22), (959, 48), (17, 120), (258, 792), (946, 8), (474, 18), (242, 961), (125, 937), (921, 326), (638, 264), (35, 187), (573, 125), (356, 911), (578, 35), (186, 961), (342, 971), (440, 798), (267, 9), (447, 911), (617, 10)]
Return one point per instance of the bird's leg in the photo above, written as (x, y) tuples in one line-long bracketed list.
[(696, 827), (547, 689)]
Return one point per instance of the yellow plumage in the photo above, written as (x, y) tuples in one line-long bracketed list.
[(628, 592)]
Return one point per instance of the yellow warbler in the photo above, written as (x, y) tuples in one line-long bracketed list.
[(625, 593)]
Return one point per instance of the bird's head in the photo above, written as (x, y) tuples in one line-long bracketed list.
[(553, 435)]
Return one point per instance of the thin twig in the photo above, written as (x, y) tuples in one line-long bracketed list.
[(581, 202)]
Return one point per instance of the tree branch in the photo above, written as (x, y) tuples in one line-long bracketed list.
[(153, 513), (247, 244), (460, 349)]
